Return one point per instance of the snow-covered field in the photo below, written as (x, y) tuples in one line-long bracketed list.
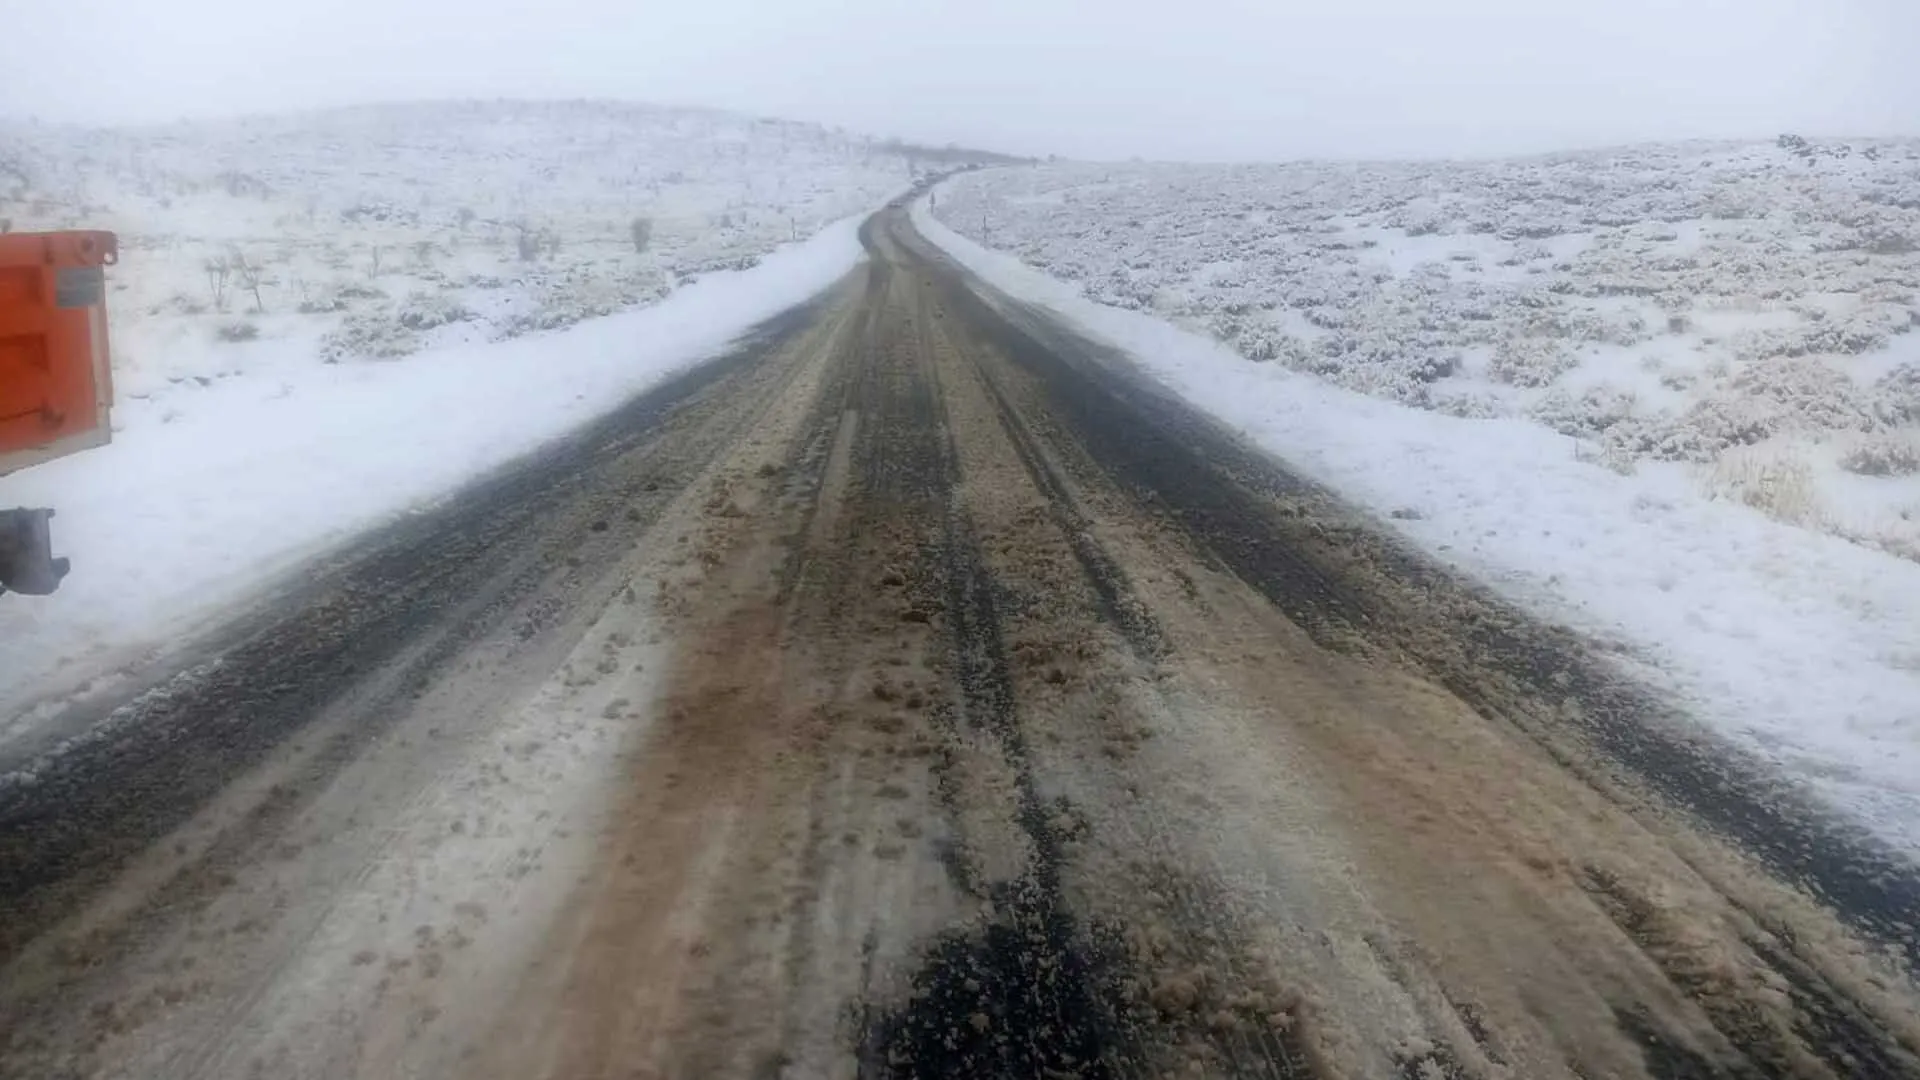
[(372, 233), (359, 389), (1638, 486), (1743, 308)]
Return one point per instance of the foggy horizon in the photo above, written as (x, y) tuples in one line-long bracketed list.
[(937, 141), (1225, 81)]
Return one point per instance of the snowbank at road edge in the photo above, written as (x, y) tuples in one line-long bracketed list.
[(194, 506), (1803, 647)]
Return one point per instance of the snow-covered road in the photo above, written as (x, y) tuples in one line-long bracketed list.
[(914, 690)]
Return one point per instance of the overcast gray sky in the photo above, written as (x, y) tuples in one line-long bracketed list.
[(1106, 78)]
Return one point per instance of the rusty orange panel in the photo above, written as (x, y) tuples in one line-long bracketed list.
[(55, 377)]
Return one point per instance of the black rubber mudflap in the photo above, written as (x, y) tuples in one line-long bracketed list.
[(27, 564)]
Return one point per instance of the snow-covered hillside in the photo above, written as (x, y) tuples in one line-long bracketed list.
[(1743, 308), (375, 232)]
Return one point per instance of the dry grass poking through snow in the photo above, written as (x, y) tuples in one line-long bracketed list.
[(1776, 482)]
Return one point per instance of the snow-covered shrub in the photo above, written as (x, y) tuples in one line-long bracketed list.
[(1374, 365), (424, 311), (573, 298), (1708, 429), (1528, 251), (1583, 324), (370, 335), (236, 330), (382, 212), (322, 303), (1764, 400), (717, 264), (1896, 396), (354, 290), (1422, 223), (1466, 406), (1530, 361), (1859, 332), (1805, 393), (1886, 241), (1590, 414), (1884, 454)]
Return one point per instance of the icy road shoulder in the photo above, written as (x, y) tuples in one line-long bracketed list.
[(1800, 646), (194, 507)]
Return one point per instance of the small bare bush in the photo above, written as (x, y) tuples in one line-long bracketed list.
[(247, 271), (219, 273), (239, 330)]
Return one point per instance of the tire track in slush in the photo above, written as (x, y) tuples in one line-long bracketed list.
[(1029, 992), (1034, 989)]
